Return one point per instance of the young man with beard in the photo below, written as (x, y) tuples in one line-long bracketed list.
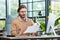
[(21, 23)]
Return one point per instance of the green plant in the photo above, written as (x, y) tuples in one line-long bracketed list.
[(57, 22), (43, 26)]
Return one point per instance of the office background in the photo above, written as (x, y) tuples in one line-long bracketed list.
[(8, 11)]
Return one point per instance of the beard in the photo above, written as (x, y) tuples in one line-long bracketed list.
[(22, 16)]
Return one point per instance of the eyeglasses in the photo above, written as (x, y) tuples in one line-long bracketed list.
[(23, 11)]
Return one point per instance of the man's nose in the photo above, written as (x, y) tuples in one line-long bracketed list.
[(24, 13)]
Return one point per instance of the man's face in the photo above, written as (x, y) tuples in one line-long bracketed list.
[(22, 12)]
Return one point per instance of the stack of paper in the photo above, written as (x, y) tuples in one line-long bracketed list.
[(32, 29)]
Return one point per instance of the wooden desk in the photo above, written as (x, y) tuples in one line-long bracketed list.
[(29, 37)]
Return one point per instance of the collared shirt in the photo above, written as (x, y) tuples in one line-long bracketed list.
[(19, 26)]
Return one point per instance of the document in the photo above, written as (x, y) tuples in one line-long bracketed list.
[(32, 29)]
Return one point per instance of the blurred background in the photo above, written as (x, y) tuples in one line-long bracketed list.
[(35, 8)]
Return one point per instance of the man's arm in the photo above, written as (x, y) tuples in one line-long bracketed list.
[(13, 29)]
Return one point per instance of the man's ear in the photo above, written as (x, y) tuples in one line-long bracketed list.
[(18, 14)]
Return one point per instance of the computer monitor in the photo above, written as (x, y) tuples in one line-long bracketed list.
[(50, 24)]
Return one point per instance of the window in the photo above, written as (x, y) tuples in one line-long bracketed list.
[(34, 6), (55, 7), (39, 6), (13, 8), (2, 14), (3, 9), (2, 24), (22, 1), (38, 0)]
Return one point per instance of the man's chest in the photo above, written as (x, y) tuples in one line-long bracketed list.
[(23, 25)]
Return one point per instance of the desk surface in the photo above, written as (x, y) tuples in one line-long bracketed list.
[(31, 37)]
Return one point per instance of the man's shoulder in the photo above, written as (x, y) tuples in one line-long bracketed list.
[(15, 19)]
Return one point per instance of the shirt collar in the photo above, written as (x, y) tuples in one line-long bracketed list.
[(22, 20)]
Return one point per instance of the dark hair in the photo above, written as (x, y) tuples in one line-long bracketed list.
[(20, 7)]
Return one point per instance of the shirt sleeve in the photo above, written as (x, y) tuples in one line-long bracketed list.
[(13, 29), (32, 23)]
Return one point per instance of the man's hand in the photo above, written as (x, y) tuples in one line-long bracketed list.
[(35, 34)]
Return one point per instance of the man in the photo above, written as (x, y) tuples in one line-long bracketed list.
[(20, 24)]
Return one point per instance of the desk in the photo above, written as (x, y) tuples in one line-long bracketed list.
[(30, 37)]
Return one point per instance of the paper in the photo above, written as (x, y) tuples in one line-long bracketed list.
[(32, 29)]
